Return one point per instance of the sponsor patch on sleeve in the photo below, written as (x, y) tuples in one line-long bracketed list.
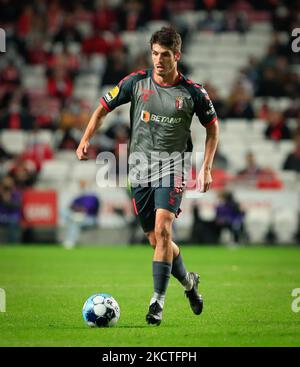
[(112, 94)]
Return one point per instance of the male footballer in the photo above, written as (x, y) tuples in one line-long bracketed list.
[(163, 102)]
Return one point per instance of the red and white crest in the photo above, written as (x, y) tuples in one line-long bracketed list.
[(179, 103)]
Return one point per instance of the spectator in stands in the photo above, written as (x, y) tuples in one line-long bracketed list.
[(16, 117), (293, 110), (157, 10), (4, 157), (296, 130), (210, 23), (269, 85), (68, 141), (54, 17), (253, 174), (75, 114), (105, 17), (242, 22), (234, 21), (10, 211), (276, 127), (10, 76), (37, 151), (36, 52), (60, 85), (292, 161), (116, 67), (23, 172), (202, 231), (252, 170), (217, 101), (101, 42), (25, 21), (240, 105), (229, 215), (82, 214), (67, 58), (131, 15), (68, 32), (18, 95), (251, 71)]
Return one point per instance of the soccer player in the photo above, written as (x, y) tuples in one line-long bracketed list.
[(163, 102)]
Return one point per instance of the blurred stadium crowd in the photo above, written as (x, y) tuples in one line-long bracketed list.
[(61, 56)]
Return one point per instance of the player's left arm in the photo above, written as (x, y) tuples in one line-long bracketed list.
[(208, 118), (211, 142)]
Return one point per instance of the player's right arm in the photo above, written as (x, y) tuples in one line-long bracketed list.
[(94, 124), (117, 96)]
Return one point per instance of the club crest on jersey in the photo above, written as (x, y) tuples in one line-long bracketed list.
[(112, 94), (179, 103)]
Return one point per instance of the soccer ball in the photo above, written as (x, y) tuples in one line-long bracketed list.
[(101, 310)]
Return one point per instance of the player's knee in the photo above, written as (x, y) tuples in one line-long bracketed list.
[(151, 238), (163, 232)]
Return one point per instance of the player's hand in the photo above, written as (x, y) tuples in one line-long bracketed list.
[(204, 179), (82, 151)]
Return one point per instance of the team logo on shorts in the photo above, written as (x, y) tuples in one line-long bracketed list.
[(112, 94), (179, 103)]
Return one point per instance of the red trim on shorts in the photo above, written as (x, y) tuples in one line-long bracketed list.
[(134, 206), (104, 104)]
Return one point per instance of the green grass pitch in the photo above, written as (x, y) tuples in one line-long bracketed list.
[(247, 297)]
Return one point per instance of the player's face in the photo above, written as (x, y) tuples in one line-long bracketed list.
[(164, 60)]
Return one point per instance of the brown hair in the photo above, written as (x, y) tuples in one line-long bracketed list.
[(167, 37)]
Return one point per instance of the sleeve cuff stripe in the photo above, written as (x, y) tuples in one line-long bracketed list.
[(212, 121), (104, 104)]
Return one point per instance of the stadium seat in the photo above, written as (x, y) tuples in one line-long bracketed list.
[(54, 172), (153, 25), (290, 179), (84, 170), (97, 63), (66, 156), (285, 225), (87, 80), (257, 223), (89, 94), (34, 82), (43, 136), (263, 159), (13, 141)]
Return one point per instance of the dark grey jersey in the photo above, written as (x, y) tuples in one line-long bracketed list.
[(160, 118)]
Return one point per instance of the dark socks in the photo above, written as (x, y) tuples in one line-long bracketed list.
[(161, 275), (180, 273), (178, 268)]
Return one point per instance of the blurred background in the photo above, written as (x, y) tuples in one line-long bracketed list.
[(61, 56)]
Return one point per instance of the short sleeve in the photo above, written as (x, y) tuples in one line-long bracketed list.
[(118, 95), (204, 108)]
